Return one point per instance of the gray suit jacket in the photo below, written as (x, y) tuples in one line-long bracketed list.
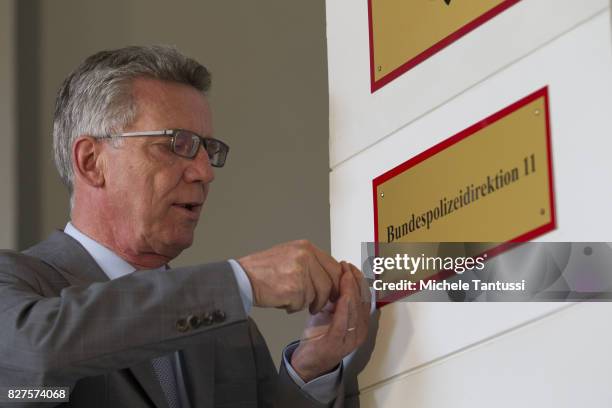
[(64, 323)]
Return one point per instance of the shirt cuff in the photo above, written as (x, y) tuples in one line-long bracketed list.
[(324, 389), (244, 285)]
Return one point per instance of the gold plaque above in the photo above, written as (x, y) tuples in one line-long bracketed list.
[(404, 33), (489, 183)]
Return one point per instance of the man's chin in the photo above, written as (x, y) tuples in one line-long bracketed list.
[(171, 241), (178, 245)]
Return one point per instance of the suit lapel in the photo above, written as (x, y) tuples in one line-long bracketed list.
[(75, 264), (148, 381), (198, 363)]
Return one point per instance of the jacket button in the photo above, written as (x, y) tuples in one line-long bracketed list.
[(182, 325), (218, 316), (207, 318), (194, 321)]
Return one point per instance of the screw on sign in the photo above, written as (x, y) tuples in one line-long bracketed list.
[(447, 2)]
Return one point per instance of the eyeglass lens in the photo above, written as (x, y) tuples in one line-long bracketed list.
[(186, 144)]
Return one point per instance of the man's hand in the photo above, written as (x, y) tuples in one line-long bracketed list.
[(324, 346), (293, 276)]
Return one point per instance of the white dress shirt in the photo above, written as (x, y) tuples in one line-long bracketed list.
[(322, 389)]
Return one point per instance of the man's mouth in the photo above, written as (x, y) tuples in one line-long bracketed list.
[(191, 207)]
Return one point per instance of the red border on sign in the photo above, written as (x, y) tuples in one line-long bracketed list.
[(527, 236), (445, 42)]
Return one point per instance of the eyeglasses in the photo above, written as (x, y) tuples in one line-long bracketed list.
[(186, 144)]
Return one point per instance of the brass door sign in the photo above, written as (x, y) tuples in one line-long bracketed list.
[(492, 182), (405, 33)]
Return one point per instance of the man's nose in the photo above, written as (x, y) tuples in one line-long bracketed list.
[(199, 168)]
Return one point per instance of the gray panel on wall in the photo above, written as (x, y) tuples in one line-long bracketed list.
[(29, 127), (7, 125)]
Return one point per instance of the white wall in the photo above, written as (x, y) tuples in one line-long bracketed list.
[(480, 355), (7, 125), (562, 361), (358, 118)]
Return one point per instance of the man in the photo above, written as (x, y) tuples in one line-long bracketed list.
[(97, 308)]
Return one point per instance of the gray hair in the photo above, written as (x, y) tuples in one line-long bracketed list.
[(96, 98)]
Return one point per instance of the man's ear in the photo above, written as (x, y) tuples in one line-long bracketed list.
[(87, 161)]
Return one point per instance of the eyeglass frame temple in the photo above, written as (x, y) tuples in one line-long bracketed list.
[(170, 132), (167, 132)]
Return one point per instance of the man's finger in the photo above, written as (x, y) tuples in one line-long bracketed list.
[(350, 287), (322, 286), (349, 284), (301, 295), (309, 291), (364, 290), (345, 316), (364, 307), (333, 269), (340, 323)]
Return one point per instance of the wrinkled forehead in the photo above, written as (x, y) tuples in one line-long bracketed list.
[(170, 105)]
